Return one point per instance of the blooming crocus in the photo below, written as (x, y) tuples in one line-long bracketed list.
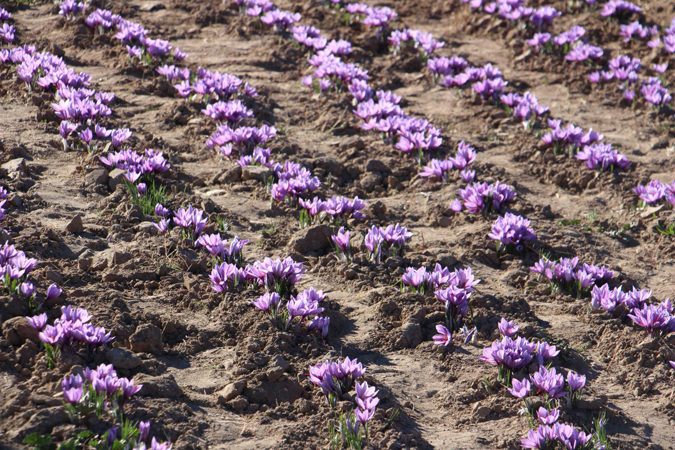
[(163, 225), (548, 417), (73, 395), (144, 428), (267, 301), (161, 210), (507, 328), (444, 337), (549, 381), (27, 288), (38, 322), (520, 389), (53, 291), (575, 381)]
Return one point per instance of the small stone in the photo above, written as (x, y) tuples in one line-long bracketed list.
[(375, 165), (255, 173), (17, 330), (592, 404), (163, 386), (350, 274), (230, 391), (115, 178), (15, 165), (123, 359), (15, 200), (75, 225), (239, 404), (411, 335), (481, 411), (311, 239), (147, 339)]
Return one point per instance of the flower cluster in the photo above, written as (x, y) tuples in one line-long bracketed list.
[(293, 182), (619, 8), (654, 192), (134, 37), (219, 248), (440, 169), (337, 210), (15, 267), (305, 305), (231, 112), (336, 378), (70, 9), (512, 230), (70, 332), (97, 391), (525, 108), (208, 85), (276, 275), (547, 436), (601, 156), (478, 197), (382, 243), (568, 275), (569, 138), (243, 139), (137, 167), (7, 31), (415, 38)]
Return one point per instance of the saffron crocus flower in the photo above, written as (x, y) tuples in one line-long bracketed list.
[(653, 318), (575, 381), (144, 428), (537, 439), (268, 301), (512, 230), (509, 353), (38, 322), (27, 288), (320, 324), (507, 328), (549, 382), (163, 225), (53, 291), (548, 417), (161, 210), (444, 337), (520, 389), (73, 395)]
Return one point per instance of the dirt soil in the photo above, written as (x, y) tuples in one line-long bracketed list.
[(116, 265)]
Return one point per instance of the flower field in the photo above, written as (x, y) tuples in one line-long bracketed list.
[(330, 224)]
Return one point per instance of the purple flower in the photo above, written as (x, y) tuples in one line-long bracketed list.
[(507, 328), (163, 225), (53, 291), (512, 230), (161, 210), (550, 382), (38, 322), (144, 428), (510, 353), (128, 388), (444, 337), (27, 288), (267, 301), (575, 381), (548, 417), (520, 389), (73, 395), (537, 439), (320, 324)]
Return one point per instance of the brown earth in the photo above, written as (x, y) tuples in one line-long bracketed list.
[(117, 266)]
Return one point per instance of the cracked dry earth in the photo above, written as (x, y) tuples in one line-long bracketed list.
[(209, 345)]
